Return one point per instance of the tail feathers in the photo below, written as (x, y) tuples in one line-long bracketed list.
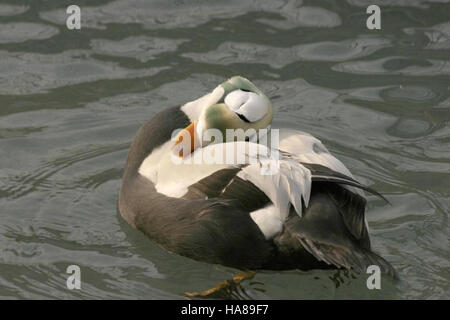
[(349, 258), (321, 173), (379, 261)]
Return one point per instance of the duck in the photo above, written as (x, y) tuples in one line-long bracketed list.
[(288, 205)]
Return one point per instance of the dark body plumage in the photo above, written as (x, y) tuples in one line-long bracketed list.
[(212, 221)]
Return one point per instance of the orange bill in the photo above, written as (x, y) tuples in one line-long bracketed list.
[(188, 146)]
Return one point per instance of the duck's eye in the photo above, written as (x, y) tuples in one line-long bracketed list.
[(243, 118)]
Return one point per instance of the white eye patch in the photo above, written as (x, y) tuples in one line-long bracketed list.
[(249, 104)]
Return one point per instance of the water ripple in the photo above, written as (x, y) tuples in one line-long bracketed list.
[(231, 52)]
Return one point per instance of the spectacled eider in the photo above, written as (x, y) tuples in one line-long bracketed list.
[(308, 214)]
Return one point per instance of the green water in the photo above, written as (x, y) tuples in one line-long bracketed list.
[(71, 102)]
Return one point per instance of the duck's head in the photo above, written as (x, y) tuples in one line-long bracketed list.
[(235, 104)]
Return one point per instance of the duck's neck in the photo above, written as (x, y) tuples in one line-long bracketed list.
[(151, 135)]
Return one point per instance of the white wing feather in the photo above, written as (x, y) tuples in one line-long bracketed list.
[(287, 186), (307, 149)]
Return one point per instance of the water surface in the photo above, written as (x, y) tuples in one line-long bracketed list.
[(71, 102)]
